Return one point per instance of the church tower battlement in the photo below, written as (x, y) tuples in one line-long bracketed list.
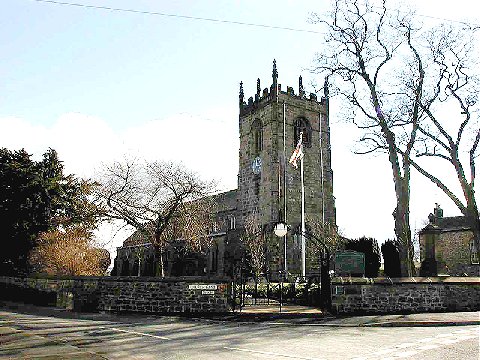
[(269, 127), (263, 97)]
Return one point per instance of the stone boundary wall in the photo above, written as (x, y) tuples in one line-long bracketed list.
[(405, 295), (121, 294)]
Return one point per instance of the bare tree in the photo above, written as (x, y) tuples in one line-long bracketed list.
[(253, 238), (377, 61), (450, 126), (255, 244), (163, 201), (325, 236)]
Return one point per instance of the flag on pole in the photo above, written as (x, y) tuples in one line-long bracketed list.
[(297, 153)]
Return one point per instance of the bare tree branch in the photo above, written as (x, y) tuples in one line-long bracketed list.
[(163, 201), (405, 75), (472, 158)]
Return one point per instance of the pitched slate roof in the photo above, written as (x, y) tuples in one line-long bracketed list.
[(452, 223), (225, 202)]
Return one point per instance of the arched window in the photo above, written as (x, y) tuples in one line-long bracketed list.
[(302, 125), (257, 136)]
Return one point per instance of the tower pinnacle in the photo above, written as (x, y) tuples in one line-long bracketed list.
[(275, 78), (241, 95), (301, 91)]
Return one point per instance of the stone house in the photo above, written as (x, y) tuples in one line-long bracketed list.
[(447, 246), (270, 123)]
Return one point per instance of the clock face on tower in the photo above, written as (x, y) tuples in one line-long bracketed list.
[(257, 165)]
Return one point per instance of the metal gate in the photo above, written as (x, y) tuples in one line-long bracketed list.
[(246, 293)]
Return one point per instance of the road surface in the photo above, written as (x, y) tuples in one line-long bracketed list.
[(154, 337)]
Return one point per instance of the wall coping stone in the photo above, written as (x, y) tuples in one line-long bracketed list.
[(125, 278), (186, 279), (472, 280)]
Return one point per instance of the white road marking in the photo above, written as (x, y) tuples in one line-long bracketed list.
[(466, 337), (428, 347), (443, 335), (407, 354), (426, 340), (383, 352), (405, 345), (449, 341), (270, 353), (137, 333), (307, 324)]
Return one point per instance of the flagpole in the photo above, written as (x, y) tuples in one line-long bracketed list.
[(298, 155), (321, 171), (284, 188), (303, 217)]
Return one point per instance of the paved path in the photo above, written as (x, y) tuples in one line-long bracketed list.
[(295, 314)]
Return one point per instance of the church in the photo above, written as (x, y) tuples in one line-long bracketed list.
[(270, 124)]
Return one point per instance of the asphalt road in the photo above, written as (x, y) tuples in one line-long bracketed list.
[(29, 336)]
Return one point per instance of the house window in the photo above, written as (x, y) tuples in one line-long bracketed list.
[(303, 126), (257, 136), (474, 253)]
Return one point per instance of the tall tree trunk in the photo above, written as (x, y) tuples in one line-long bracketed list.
[(160, 266), (403, 234), (402, 222), (162, 263), (473, 219)]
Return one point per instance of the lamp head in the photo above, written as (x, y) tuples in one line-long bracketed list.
[(280, 229)]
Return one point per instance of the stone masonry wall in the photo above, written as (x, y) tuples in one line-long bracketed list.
[(453, 254), (163, 296), (121, 294), (406, 295)]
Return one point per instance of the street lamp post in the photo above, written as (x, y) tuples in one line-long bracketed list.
[(280, 231)]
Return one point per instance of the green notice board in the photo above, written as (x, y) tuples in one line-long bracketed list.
[(349, 263)]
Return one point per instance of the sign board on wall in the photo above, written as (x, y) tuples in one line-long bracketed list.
[(350, 263), (202, 287), (207, 289)]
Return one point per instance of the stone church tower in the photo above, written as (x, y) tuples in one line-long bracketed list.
[(269, 126)]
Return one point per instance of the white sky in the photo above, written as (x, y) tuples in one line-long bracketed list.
[(96, 85)]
